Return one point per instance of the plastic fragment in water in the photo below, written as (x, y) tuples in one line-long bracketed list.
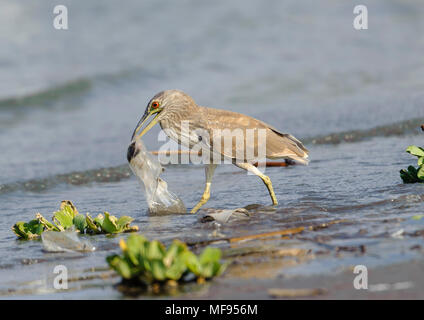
[(224, 215), (65, 241)]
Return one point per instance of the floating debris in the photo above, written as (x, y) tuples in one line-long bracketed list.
[(66, 241), (398, 234), (224, 215)]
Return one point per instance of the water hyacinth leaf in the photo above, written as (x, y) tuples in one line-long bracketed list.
[(409, 176), (91, 224), (219, 268), (146, 264), (99, 219), (120, 265), (210, 255), (135, 248), (209, 259), (416, 151), (413, 175), (69, 206), (29, 230), (420, 173), (405, 176), (19, 229), (158, 270), (412, 171), (124, 222), (155, 250), (80, 222), (109, 223), (176, 270), (174, 250), (47, 224), (69, 209), (35, 227), (64, 218), (208, 270), (192, 263)]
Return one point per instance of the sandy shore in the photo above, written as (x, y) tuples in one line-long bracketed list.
[(399, 281)]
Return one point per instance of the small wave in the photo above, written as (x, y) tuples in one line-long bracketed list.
[(75, 87), (411, 126), (111, 174)]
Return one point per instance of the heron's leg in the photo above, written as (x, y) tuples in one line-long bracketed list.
[(251, 168), (209, 170)]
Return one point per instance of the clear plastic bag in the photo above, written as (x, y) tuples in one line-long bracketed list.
[(64, 241), (147, 168)]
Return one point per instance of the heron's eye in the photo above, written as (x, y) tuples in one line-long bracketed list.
[(155, 104)]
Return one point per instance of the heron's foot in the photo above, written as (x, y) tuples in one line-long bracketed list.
[(202, 201), (273, 197), (268, 184), (206, 195)]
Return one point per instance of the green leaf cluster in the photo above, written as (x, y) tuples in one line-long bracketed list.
[(68, 216), (28, 230), (412, 174), (104, 224), (150, 262)]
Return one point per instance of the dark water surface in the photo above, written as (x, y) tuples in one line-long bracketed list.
[(69, 101)]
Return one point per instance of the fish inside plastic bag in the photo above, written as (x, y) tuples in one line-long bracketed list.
[(147, 168), (65, 241)]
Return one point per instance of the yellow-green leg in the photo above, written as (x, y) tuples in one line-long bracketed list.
[(209, 170), (251, 168)]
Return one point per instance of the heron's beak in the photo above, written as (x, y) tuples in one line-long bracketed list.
[(143, 120)]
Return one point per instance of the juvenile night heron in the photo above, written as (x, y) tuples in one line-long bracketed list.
[(173, 108)]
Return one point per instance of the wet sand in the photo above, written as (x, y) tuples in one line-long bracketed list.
[(398, 281)]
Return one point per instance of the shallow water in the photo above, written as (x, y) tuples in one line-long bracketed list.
[(70, 100)]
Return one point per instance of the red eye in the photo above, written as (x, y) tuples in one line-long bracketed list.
[(155, 104)]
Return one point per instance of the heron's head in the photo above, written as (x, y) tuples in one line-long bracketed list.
[(161, 106)]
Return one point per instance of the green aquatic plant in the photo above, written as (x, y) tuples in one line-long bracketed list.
[(149, 262), (106, 224), (68, 216), (412, 174), (28, 230), (418, 217)]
